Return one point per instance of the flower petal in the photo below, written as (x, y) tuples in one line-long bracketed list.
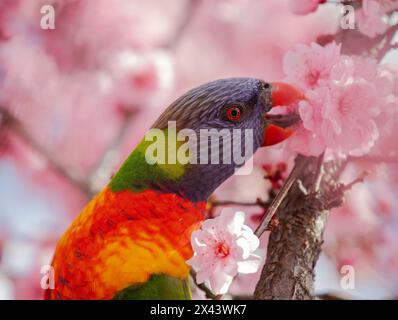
[(251, 265)]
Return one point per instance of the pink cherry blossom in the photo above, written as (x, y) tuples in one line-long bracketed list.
[(341, 116), (223, 247), (370, 18), (304, 6), (310, 66), (344, 96)]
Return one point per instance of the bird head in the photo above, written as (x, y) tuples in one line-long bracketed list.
[(225, 122), (236, 103)]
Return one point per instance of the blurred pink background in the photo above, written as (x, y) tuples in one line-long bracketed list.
[(75, 100)]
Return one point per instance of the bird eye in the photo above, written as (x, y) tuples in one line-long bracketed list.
[(233, 113)]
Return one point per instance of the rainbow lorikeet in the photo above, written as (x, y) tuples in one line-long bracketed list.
[(132, 240)]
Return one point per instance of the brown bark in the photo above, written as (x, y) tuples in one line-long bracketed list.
[(295, 244)]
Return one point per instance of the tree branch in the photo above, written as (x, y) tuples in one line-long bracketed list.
[(12, 123), (295, 244), (281, 195)]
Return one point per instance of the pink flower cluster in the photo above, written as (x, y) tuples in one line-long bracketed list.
[(344, 96), (223, 247)]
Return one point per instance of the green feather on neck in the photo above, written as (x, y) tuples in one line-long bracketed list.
[(157, 158)]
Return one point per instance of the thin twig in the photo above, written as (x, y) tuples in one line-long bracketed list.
[(360, 179), (17, 127), (258, 203), (204, 288), (277, 201), (187, 17), (318, 175)]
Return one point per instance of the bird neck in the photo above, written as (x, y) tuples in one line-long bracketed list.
[(194, 182)]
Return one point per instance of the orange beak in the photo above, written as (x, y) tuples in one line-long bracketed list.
[(282, 94)]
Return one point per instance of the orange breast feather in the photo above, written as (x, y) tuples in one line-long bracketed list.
[(121, 239)]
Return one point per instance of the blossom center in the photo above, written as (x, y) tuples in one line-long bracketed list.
[(313, 78), (222, 250)]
